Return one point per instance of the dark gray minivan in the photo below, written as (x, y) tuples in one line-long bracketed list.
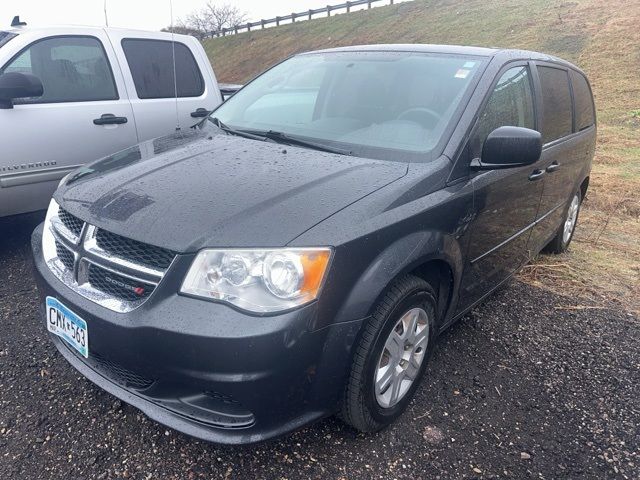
[(298, 252)]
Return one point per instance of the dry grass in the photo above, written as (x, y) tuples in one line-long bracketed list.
[(602, 37)]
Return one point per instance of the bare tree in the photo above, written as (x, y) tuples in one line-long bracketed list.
[(213, 18), (181, 29)]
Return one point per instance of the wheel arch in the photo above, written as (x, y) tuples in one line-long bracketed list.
[(435, 257), (584, 186)]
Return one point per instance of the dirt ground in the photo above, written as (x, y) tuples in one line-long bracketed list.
[(530, 385)]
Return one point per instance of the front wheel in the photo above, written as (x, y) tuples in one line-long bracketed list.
[(391, 356), (563, 237)]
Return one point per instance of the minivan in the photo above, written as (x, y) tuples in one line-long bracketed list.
[(297, 253)]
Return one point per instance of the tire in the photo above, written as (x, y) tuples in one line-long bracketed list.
[(365, 408), (560, 242)]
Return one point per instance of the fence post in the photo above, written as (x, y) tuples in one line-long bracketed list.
[(369, 5), (262, 24), (391, 2), (310, 14), (277, 21), (248, 27), (235, 30), (348, 7), (328, 10), (293, 18)]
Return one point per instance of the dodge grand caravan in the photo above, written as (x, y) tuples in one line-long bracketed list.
[(297, 253)]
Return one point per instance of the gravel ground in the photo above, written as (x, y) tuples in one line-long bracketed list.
[(525, 386)]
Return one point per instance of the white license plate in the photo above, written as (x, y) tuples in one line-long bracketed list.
[(68, 326)]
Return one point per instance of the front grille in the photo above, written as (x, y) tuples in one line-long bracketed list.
[(111, 270), (118, 286), (65, 256), (119, 374), (134, 251), (73, 224)]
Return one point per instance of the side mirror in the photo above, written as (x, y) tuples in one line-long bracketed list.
[(228, 90), (508, 147), (18, 85)]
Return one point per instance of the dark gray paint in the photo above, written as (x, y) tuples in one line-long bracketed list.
[(204, 190)]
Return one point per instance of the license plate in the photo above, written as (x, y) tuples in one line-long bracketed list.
[(68, 326)]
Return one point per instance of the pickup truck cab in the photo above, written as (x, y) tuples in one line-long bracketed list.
[(102, 90)]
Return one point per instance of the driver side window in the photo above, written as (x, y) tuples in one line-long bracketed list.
[(71, 69), (510, 104)]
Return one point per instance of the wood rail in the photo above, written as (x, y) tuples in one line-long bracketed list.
[(308, 15)]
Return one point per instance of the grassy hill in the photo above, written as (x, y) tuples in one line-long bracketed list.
[(603, 38)]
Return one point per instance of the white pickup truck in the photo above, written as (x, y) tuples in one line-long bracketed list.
[(70, 95)]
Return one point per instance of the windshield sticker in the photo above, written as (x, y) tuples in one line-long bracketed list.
[(462, 73), (469, 65)]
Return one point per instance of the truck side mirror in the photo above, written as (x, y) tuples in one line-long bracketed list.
[(228, 90), (18, 85), (508, 147)]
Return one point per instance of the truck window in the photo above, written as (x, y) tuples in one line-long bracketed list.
[(556, 103), (151, 64), (5, 37), (585, 115), (510, 104), (71, 69)]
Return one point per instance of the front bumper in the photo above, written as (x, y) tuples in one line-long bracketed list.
[(206, 369)]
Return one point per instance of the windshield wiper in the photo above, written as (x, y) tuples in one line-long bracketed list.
[(281, 137), (232, 131)]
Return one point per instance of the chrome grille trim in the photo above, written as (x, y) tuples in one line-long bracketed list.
[(62, 230), (91, 246), (72, 224), (86, 253)]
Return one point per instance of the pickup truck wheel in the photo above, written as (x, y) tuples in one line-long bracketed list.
[(563, 237), (391, 356)]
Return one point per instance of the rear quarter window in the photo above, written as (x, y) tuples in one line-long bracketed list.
[(556, 103), (5, 37), (584, 108), (151, 64)]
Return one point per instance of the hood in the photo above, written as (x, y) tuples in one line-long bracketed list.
[(197, 189)]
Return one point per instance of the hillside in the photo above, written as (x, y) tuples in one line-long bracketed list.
[(601, 37)]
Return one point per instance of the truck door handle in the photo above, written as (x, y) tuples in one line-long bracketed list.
[(536, 175), (109, 119), (553, 167), (200, 113)]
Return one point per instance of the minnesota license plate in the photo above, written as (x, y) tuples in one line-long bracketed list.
[(68, 326)]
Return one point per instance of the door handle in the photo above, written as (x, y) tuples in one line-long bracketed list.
[(200, 113), (553, 167), (536, 175), (109, 119)]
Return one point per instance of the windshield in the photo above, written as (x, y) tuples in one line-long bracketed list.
[(5, 37), (386, 105)]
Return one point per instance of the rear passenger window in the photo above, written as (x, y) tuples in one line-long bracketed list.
[(151, 64), (556, 103), (71, 69), (510, 104), (585, 115)]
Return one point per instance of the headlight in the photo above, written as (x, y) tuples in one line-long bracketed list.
[(260, 281)]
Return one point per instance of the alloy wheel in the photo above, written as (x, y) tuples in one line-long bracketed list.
[(401, 357), (572, 217)]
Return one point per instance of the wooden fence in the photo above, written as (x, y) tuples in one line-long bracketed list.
[(308, 15)]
